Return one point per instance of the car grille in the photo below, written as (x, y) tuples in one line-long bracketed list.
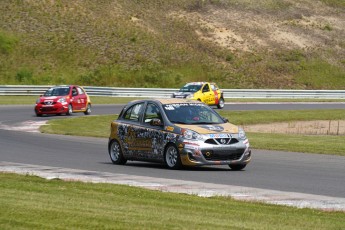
[(48, 109), (221, 155), (218, 141), (48, 103)]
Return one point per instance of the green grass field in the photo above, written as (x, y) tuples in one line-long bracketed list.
[(331, 144), (276, 44), (29, 202)]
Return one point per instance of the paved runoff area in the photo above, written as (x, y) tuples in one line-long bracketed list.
[(298, 200)]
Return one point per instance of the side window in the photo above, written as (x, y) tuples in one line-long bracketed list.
[(133, 112), (80, 91), (74, 92), (206, 88), (152, 111)]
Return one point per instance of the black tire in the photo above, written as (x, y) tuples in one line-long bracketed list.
[(88, 109), (172, 157), (237, 167), (220, 103), (70, 110), (115, 153)]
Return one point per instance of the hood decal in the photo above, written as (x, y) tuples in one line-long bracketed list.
[(216, 128), (208, 129)]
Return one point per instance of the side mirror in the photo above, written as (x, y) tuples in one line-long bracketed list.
[(156, 122), (225, 119)]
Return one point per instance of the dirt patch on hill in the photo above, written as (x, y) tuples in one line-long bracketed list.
[(304, 26), (319, 127)]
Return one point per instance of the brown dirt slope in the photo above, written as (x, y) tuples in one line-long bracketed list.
[(156, 43)]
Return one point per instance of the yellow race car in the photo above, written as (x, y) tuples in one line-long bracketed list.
[(206, 92)]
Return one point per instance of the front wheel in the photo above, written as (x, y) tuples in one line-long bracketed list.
[(115, 153), (220, 103), (172, 157), (88, 109), (70, 110), (237, 167)]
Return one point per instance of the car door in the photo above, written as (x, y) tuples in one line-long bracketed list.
[(215, 89), (208, 94), (75, 99), (82, 98), (131, 132), (154, 133)]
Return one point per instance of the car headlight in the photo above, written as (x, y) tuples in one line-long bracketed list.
[(242, 134), (62, 100), (191, 135), (190, 96)]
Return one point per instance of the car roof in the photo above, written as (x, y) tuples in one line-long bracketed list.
[(196, 83), (200, 83)]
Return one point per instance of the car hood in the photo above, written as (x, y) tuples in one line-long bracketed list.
[(52, 98), (213, 128)]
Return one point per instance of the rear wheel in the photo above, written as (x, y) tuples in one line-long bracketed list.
[(88, 109), (70, 110), (237, 167), (115, 153), (172, 157), (220, 103)]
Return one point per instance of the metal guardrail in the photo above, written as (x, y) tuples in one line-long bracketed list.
[(167, 92)]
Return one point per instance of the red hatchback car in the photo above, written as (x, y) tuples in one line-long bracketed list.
[(63, 100)]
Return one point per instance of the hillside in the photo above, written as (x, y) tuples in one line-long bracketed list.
[(288, 44)]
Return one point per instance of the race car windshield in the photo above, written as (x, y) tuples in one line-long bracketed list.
[(61, 91), (192, 113), (190, 88)]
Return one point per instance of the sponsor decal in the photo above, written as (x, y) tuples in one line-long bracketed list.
[(221, 135), (216, 97), (188, 146), (169, 128), (213, 127), (178, 105)]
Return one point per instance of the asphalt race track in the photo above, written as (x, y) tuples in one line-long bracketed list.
[(270, 170)]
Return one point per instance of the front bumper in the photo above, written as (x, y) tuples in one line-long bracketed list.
[(51, 109), (194, 154)]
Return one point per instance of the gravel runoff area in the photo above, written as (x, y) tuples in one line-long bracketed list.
[(318, 127), (298, 200)]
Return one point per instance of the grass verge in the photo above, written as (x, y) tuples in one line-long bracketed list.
[(333, 145), (29, 202)]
